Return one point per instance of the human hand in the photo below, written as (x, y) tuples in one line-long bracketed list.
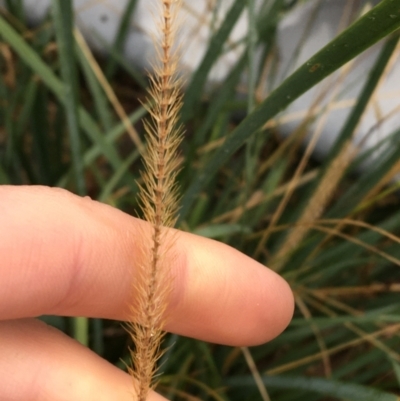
[(71, 256)]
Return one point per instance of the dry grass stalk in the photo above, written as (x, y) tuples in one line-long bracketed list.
[(159, 202), (278, 261), (389, 330), (317, 203), (352, 327), (258, 198), (300, 303), (255, 373), (107, 88), (367, 290)]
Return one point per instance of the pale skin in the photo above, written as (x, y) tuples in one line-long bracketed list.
[(71, 256)]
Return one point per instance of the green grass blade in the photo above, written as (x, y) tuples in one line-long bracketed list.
[(16, 8), (81, 330), (118, 175), (120, 37), (366, 94), (373, 26), (4, 179), (340, 390), (195, 87), (63, 21), (252, 40), (251, 148), (396, 369), (219, 101), (37, 109)]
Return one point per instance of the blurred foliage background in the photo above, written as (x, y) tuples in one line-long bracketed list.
[(71, 120)]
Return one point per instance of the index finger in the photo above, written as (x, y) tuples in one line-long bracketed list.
[(66, 255)]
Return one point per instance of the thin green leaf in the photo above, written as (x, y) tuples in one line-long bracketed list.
[(63, 21), (331, 388), (396, 369), (118, 175)]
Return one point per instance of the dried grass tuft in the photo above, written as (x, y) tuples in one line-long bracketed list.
[(159, 202)]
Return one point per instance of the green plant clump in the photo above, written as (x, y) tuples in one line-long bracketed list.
[(331, 234)]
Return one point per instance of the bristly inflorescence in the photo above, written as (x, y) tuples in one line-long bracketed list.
[(159, 202)]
